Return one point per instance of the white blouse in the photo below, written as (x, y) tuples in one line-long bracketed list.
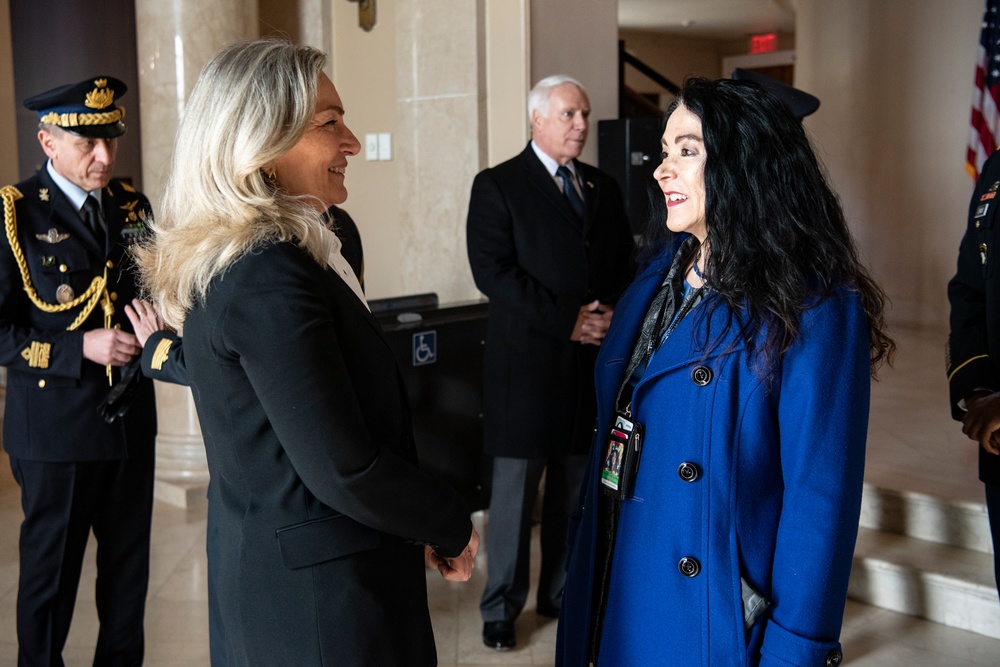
[(340, 266)]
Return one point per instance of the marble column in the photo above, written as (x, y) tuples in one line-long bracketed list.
[(438, 97), (175, 39)]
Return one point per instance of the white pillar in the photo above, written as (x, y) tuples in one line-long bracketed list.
[(175, 38)]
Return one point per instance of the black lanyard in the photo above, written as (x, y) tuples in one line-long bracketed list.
[(662, 317)]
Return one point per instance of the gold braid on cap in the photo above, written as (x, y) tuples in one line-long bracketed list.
[(98, 286), (78, 119)]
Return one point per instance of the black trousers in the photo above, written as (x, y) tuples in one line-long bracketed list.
[(993, 511), (62, 503)]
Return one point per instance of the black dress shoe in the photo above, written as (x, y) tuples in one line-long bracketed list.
[(499, 635), (547, 610)]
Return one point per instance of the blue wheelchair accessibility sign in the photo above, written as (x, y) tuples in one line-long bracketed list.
[(424, 348)]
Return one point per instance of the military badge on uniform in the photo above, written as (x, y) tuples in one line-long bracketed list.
[(37, 355), (65, 293), (132, 232), (43, 194), (991, 193), (101, 96), (130, 207), (135, 224), (52, 236)]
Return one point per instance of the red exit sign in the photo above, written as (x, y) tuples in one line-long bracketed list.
[(764, 43)]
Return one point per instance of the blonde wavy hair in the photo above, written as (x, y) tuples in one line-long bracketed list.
[(250, 105)]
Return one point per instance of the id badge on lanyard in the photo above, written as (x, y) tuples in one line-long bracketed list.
[(621, 457)]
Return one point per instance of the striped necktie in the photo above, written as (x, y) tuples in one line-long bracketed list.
[(569, 190)]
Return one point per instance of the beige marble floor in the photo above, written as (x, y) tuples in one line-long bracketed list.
[(913, 445)]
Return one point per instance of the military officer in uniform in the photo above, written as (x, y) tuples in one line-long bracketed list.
[(973, 354), (64, 277)]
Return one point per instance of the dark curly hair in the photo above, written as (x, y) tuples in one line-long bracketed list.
[(778, 241)]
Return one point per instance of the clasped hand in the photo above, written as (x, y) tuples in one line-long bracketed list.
[(592, 323), (114, 347), (110, 347), (458, 568), (982, 420)]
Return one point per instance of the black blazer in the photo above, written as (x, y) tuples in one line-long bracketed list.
[(538, 263), (321, 503), (973, 354), (163, 355), (51, 406)]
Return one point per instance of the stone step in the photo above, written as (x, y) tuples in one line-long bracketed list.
[(926, 517), (949, 585)]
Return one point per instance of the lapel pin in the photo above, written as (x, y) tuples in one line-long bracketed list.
[(52, 236)]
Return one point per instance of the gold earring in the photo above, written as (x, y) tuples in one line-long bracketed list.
[(271, 174)]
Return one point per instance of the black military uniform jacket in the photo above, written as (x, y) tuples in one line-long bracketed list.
[(54, 261), (973, 355)]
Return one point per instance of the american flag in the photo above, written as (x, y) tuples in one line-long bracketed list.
[(986, 96)]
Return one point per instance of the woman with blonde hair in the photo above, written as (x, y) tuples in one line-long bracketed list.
[(321, 511)]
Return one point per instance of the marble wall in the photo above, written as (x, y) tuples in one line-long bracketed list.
[(440, 141), (579, 39), (175, 40), (424, 76), (895, 79)]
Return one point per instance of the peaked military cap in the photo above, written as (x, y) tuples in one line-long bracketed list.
[(86, 108), (798, 101)]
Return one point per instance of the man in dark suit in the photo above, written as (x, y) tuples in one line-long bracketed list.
[(973, 353), (64, 272), (549, 244)]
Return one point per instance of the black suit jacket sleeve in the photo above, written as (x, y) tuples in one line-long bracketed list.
[(163, 358), (279, 320), (975, 322), (499, 272)]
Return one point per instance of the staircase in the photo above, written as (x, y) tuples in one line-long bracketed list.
[(925, 556)]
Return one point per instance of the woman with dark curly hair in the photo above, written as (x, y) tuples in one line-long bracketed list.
[(736, 378)]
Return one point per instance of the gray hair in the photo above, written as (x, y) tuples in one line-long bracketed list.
[(250, 105), (538, 98)]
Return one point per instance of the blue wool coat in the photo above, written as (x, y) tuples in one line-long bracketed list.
[(776, 498)]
